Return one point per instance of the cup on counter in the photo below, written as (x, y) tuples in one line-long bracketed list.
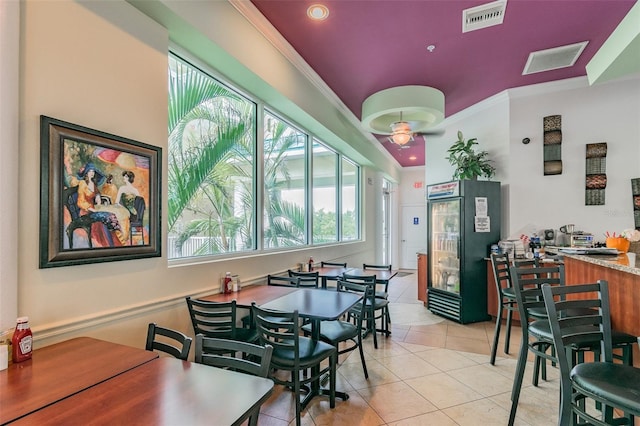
[(4, 357)]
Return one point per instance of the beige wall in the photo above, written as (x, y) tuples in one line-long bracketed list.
[(103, 65)]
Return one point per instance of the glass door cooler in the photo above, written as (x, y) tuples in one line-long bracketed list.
[(463, 222)]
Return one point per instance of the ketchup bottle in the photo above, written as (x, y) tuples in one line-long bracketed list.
[(22, 341), (228, 286)]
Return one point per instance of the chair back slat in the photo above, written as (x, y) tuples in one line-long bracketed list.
[(213, 319), (176, 344), (306, 279), (278, 329), (527, 282), (500, 266), (245, 357), (363, 311), (335, 264), (282, 281), (376, 267)]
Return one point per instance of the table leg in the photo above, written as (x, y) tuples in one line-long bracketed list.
[(316, 389)]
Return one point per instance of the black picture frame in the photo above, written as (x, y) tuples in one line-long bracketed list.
[(99, 196)]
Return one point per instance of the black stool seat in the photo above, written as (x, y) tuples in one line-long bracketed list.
[(311, 353), (617, 384), (334, 331), (619, 339)]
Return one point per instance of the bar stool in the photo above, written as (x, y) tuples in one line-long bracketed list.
[(611, 385), (537, 337)]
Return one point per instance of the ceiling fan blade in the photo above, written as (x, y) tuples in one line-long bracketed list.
[(438, 132)]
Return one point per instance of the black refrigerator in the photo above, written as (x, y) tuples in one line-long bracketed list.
[(463, 221)]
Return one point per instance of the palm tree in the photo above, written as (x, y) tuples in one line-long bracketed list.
[(206, 121), (211, 168)]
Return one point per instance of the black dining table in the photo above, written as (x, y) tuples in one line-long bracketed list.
[(382, 276), (316, 305), (330, 273)]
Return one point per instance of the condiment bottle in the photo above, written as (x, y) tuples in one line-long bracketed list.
[(310, 264), (22, 341), (227, 283)]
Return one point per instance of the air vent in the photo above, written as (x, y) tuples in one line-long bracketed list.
[(552, 59), (483, 16)]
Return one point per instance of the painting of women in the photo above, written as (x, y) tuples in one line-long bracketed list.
[(111, 227)]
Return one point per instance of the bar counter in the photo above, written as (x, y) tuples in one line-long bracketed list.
[(623, 276)]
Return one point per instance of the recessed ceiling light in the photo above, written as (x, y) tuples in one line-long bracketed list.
[(431, 48), (413, 158), (318, 12)]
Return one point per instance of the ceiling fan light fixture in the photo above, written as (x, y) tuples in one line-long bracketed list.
[(401, 133)]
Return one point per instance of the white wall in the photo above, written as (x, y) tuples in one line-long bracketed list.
[(489, 122), (9, 71), (103, 65), (608, 112)]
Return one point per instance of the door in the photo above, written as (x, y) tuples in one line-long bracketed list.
[(444, 249), (414, 235)]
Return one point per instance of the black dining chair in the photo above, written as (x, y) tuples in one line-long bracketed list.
[(384, 292), (219, 320), (379, 308), (306, 279), (500, 263), (295, 353), (610, 385), (237, 356), (338, 331), (172, 342)]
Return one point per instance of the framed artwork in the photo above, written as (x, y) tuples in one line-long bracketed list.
[(99, 196)]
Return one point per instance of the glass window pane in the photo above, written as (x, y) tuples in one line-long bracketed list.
[(210, 165), (325, 219), (284, 184), (350, 216)]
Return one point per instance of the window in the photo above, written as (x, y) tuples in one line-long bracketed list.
[(285, 185), (214, 185), (325, 199), (350, 196), (211, 165)]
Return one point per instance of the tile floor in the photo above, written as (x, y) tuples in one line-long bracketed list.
[(431, 371)]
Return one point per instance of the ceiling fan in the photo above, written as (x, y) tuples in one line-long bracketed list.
[(402, 133), (402, 113)]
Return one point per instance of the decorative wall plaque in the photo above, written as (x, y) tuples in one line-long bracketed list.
[(552, 148), (635, 191), (596, 179)]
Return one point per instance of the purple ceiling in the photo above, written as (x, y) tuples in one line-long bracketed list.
[(366, 46)]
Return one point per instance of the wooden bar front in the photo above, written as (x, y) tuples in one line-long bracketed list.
[(624, 294)]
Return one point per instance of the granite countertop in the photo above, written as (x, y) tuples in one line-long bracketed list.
[(625, 262)]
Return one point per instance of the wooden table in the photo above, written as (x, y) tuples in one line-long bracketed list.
[(58, 371), (316, 305), (255, 293), (165, 391)]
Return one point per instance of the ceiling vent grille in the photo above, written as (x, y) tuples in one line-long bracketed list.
[(552, 59), (483, 16)]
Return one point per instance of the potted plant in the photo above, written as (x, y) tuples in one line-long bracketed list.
[(467, 163)]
